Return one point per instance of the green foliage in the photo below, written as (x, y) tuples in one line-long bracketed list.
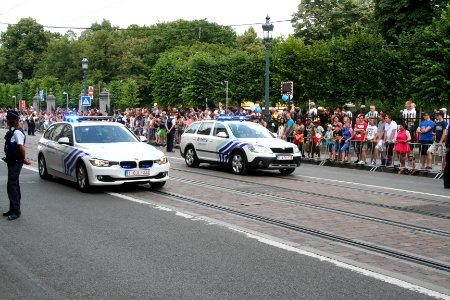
[(23, 45), (429, 49), (326, 19), (396, 17)]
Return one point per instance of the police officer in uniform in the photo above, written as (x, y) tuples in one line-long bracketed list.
[(15, 157), (447, 162)]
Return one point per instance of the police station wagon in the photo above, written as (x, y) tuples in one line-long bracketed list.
[(240, 144), (92, 152)]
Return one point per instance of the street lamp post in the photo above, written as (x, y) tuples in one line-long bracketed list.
[(226, 96), (67, 100), (20, 76), (84, 66), (267, 29), (15, 102)]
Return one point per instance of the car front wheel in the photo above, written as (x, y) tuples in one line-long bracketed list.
[(238, 163), (82, 178)]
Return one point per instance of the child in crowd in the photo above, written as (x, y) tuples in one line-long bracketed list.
[(329, 141), (299, 140), (410, 165), (337, 137)]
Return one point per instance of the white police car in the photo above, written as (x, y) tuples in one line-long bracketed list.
[(240, 144), (92, 152)]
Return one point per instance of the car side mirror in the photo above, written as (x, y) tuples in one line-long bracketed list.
[(64, 140), (143, 139), (222, 134)]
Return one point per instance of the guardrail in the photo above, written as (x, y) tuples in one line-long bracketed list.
[(324, 153)]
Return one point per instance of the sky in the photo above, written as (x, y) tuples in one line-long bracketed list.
[(122, 13)]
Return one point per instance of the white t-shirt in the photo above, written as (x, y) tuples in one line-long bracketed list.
[(371, 132), (388, 128)]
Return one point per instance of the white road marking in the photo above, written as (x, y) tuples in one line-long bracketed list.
[(265, 240), (374, 186)]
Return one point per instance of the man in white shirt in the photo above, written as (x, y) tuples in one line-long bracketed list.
[(390, 136)]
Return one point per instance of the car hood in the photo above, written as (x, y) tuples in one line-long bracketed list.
[(270, 142), (122, 151)]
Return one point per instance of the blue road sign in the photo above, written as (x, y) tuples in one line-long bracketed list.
[(85, 101), (41, 95)]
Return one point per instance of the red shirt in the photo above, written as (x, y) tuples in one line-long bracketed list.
[(358, 135)]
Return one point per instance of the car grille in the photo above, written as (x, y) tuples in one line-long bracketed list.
[(146, 164), (128, 164), (282, 150)]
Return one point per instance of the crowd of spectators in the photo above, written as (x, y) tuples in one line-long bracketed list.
[(370, 136)]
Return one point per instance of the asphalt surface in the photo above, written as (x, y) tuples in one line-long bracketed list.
[(70, 245)]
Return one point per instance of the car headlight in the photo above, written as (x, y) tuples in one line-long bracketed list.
[(163, 160), (259, 149), (100, 163), (296, 150)]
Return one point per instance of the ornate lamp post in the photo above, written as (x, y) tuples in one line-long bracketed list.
[(267, 29), (84, 66), (226, 96), (20, 76)]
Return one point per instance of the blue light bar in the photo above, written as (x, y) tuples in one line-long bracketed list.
[(231, 118), (72, 118)]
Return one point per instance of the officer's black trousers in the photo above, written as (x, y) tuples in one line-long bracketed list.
[(13, 187)]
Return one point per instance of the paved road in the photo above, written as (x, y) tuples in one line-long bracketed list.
[(73, 245)]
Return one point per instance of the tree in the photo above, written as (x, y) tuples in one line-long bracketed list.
[(23, 45), (394, 17), (428, 51), (326, 19)]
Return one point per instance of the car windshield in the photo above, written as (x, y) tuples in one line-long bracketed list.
[(249, 130), (103, 134)]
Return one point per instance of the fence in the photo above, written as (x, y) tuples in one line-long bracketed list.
[(323, 154)]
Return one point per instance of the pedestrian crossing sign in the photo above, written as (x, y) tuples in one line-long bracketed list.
[(85, 101)]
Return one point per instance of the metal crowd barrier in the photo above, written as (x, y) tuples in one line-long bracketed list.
[(323, 156)]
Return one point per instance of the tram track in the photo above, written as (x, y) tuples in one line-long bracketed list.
[(337, 198), (423, 261), (296, 202)]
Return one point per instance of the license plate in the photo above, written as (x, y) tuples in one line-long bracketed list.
[(285, 157), (137, 173)]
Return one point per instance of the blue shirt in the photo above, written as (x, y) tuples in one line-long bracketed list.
[(426, 136), (289, 127)]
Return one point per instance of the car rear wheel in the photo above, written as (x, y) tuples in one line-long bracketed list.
[(82, 178), (42, 166), (238, 163), (190, 157), (157, 185), (287, 171)]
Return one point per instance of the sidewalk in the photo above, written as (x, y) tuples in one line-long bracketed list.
[(434, 173)]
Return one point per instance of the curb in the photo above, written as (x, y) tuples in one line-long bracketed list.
[(393, 170)]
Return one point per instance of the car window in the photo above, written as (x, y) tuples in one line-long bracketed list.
[(192, 128), (249, 130), (219, 127), (67, 132), (103, 134), (205, 128), (48, 133), (56, 133)]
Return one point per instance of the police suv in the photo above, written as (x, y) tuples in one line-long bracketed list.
[(93, 151), (237, 143)]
